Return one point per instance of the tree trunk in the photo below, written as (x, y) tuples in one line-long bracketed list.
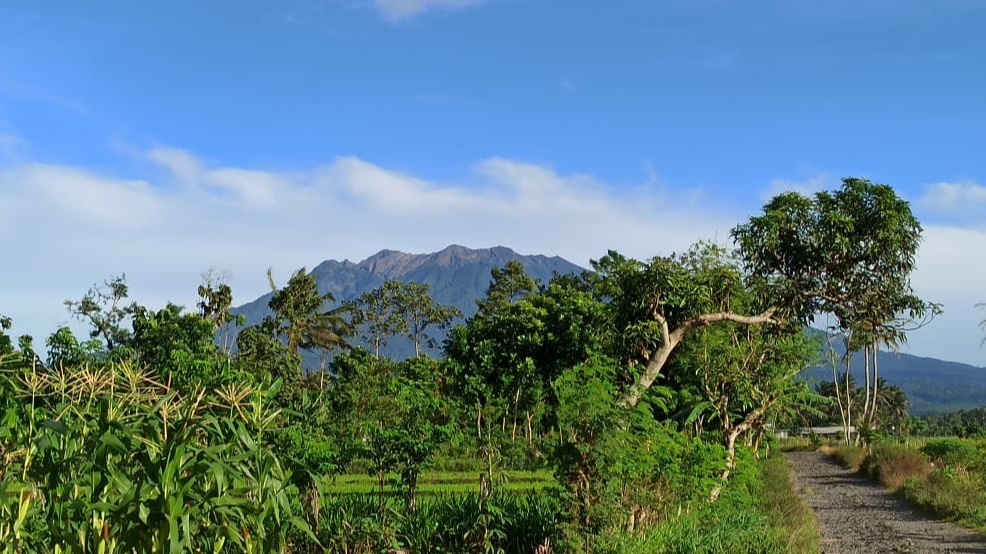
[(730, 436), (671, 339), (866, 385), (513, 430), (848, 418), (838, 395), (876, 383)]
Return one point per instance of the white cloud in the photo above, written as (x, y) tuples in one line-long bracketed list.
[(81, 198), (963, 197), (951, 271), (65, 228), (395, 10), (182, 165)]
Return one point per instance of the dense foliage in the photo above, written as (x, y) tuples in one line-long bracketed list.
[(647, 389)]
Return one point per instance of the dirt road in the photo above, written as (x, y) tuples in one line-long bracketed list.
[(859, 517)]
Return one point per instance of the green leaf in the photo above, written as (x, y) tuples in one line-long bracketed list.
[(56, 426)]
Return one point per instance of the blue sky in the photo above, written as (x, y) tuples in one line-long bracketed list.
[(163, 139)]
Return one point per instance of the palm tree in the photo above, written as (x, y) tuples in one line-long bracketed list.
[(893, 404), (299, 316)]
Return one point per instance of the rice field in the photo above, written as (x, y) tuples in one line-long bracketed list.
[(441, 482)]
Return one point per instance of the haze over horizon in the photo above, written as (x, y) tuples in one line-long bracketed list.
[(162, 140)]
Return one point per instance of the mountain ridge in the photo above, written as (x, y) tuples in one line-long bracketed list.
[(456, 276)]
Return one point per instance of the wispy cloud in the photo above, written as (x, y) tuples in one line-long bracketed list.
[(396, 10), (958, 198), (30, 93)]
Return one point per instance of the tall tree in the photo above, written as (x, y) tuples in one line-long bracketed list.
[(300, 316), (847, 253), (106, 310), (6, 345), (419, 312), (656, 304), (399, 308), (215, 301), (507, 285), (377, 313)]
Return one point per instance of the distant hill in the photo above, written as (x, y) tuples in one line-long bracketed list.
[(931, 385), (456, 275)]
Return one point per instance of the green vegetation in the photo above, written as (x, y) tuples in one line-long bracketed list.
[(944, 477), (785, 509), (627, 409)]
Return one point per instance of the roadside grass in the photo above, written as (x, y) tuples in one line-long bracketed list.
[(780, 502), (944, 478), (849, 457), (770, 518)]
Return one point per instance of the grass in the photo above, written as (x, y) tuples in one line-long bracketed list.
[(784, 508), (436, 482), (796, 444)]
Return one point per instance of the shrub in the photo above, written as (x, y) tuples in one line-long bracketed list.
[(949, 493), (892, 465), (850, 457), (953, 452)]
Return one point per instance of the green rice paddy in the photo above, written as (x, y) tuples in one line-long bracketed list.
[(441, 482)]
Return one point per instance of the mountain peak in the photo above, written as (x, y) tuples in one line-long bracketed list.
[(457, 254), (390, 263)]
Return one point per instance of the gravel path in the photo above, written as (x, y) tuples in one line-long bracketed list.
[(859, 517)]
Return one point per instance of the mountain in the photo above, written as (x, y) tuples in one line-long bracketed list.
[(457, 276), (931, 385)]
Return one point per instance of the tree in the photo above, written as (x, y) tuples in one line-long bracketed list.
[(656, 304), (416, 427), (892, 405), (419, 312), (508, 284), (215, 301), (847, 253), (178, 347), (105, 309), (299, 316), (399, 308), (6, 346), (378, 314), (523, 336)]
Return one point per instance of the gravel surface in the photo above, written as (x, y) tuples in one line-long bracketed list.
[(860, 517)]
